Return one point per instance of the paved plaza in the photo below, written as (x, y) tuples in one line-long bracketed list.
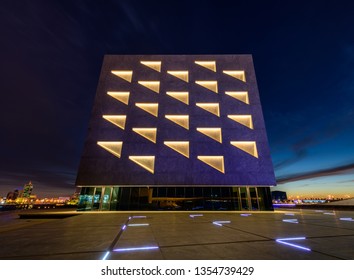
[(280, 235)]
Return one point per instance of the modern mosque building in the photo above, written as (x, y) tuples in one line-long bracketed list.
[(176, 132)]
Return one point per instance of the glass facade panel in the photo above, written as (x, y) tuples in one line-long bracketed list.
[(198, 192), (106, 198), (235, 200), (171, 192), (264, 198), (114, 199), (180, 192), (174, 198), (86, 199), (162, 192), (189, 192), (155, 193), (254, 199), (244, 198), (97, 199), (143, 197), (124, 200)]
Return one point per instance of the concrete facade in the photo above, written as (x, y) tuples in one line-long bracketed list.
[(176, 126), (99, 167)]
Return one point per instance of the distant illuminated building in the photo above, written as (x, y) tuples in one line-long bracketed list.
[(12, 195), (27, 190), (176, 132)]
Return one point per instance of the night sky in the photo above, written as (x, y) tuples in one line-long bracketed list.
[(51, 54)]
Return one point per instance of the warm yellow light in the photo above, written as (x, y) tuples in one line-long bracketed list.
[(240, 75), (182, 120), (152, 85), (239, 95), (249, 147), (213, 133), (211, 85), (181, 147), (211, 65), (155, 65), (118, 120), (210, 107), (183, 75), (182, 96), (125, 75), (245, 120), (216, 162), (146, 162), (148, 133), (122, 96), (151, 108), (113, 147)]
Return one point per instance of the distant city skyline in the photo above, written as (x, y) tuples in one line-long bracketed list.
[(303, 55)]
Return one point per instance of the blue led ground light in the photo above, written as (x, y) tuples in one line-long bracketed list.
[(283, 241), (196, 215), (347, 219), (105, 256), (220, 223), (135, 249), (293, 221)]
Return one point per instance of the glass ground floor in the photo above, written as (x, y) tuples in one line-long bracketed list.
[(114, 198)]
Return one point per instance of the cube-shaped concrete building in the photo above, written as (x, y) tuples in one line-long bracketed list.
[(176, 132)]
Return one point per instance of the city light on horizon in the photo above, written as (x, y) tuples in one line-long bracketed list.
[(335, 186), (329, 187)]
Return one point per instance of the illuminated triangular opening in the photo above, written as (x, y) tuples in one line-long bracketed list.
[(146, 162), (156, 65), (210, 107), (245, 120), (125, 75), (179, 95), (152, 85), (182, 120), (213, 133), (148, 133), (211, 85), (216, 162), (122, 96), (239, 95), (151, 108), (113, 147), (117, 120), (183, 75), (246, 146), (181, 147), (240, 75), (211, 65)]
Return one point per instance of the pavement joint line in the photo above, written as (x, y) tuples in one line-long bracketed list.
[(115, 240), (23, 226), (322, 253), (237, 229), (51, 254), (311, 224), (213, 243)]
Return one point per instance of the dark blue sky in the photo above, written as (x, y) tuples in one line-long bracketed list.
[(51, 53)]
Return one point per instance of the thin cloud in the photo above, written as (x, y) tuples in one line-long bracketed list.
[(315, 174)]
